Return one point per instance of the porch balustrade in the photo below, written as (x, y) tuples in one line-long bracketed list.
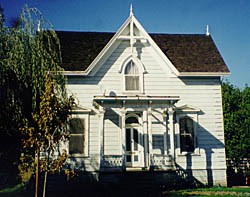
[(161, 162), (112, 161), (157, 161)]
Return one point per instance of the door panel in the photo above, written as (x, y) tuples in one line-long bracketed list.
[(128, 140), (133, 148)]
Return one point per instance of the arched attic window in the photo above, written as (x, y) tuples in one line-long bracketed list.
[(132, 77), (133, 71)]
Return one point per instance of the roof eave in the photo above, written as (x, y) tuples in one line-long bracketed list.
[(203, 74), (180, 74), (74, 73)]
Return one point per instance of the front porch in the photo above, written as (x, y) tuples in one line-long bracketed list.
[(142, 130)]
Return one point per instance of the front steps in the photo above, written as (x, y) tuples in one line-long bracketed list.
[(131, 183)]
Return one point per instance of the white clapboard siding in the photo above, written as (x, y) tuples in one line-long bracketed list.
[(159, 80)]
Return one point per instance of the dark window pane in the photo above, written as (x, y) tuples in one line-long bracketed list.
[(76, 144), (136, 158), (189, 144), (128, 140), (158, 142), (182, 126), (128, 158), (76, 141), (131, 120), (136, 139), (187, 134), (77, 126), (189, 126)]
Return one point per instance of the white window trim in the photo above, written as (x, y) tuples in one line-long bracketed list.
[(85, 117), (194, 117), (141, 70)]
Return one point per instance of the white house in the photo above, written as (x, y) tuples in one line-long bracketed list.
[(146, 102)]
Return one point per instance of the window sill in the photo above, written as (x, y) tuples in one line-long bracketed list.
[(78, 156), (185, 154), (195, 153), (132, 93)]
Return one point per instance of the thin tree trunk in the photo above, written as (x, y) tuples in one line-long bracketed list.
[(37, 172), (44, 183)]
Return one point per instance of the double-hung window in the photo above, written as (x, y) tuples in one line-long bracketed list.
[(158, 143), (78, 141), (132, 77), (187, 138)]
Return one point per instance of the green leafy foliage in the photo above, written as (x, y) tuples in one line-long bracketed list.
[(50, 127), (34, 108), (236, 106)]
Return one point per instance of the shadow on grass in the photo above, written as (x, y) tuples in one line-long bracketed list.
[(216, 191), (101, 191), (18, 190)]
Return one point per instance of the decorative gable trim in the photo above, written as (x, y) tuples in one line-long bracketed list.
[(116, 40)]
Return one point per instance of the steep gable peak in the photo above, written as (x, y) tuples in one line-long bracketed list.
[(132, 31), (83, 53)]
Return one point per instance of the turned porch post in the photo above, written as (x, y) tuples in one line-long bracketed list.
[(171, 131), (101, 129)]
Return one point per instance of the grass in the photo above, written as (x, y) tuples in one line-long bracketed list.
[(216, 191), (15, 188), (18, 191)]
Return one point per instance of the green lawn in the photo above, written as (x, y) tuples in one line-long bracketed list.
[(216, 191), (15, 191), (18, 191)]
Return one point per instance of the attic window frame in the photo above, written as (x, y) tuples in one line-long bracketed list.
[(141, 70)]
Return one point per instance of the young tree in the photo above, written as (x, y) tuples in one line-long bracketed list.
[(49, 131), (34, 104)]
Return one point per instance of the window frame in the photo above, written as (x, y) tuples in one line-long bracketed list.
[(85, 134), (160, 146), (184, 135), (141, 71), (194, 118)]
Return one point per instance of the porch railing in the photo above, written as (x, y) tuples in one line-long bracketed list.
[(164, 162), (112, 161)]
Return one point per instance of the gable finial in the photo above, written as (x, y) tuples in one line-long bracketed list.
[(131, 10), (39, 26), (207, 31)]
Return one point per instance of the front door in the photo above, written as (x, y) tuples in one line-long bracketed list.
[(133, 147)]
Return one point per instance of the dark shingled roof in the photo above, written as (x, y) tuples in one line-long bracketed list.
[(79, 49), (187, 52)]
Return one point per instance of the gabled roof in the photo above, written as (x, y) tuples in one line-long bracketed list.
[(79, 49), (187, 52), (191, 52), (187, 55)]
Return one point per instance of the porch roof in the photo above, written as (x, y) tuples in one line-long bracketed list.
[(168, 99)]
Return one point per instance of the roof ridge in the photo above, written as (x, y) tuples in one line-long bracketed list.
[(150, 33), (189, 53)]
